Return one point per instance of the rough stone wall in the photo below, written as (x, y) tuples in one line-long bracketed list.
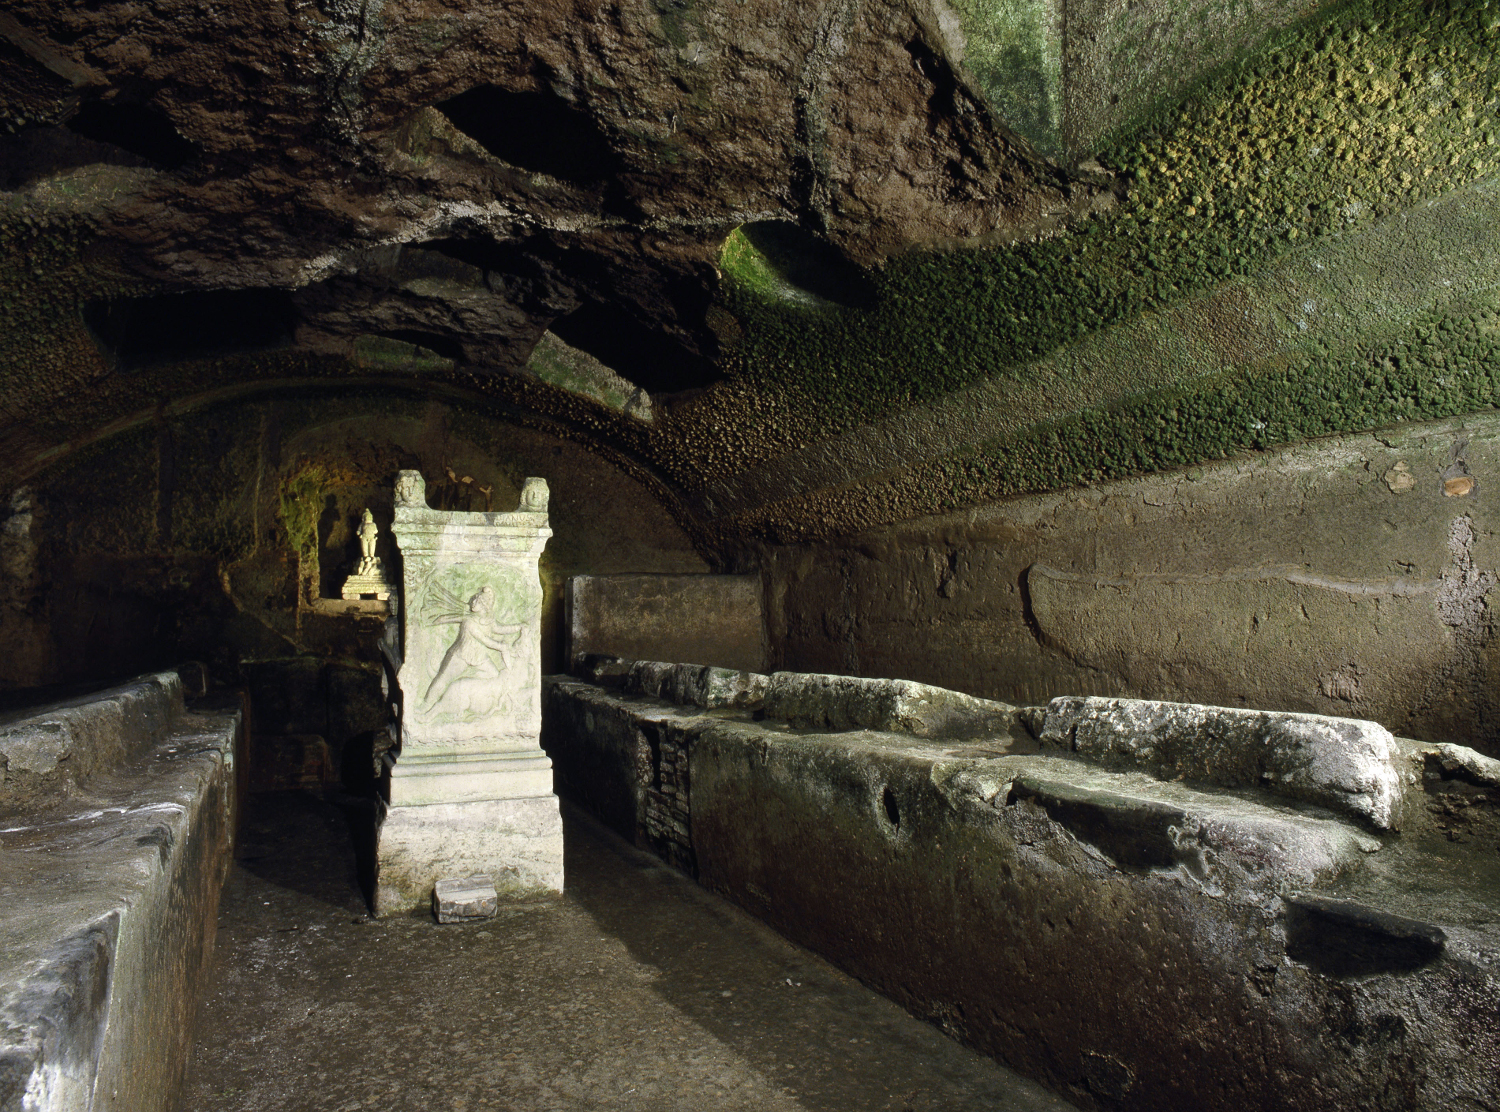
[(1347, 576), (715, 620), (785, 226), (663, 773)]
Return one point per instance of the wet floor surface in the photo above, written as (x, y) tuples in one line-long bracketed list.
[(635, 990)]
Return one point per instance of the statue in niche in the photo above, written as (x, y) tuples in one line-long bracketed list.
[(465, 681), (369, 533), (369, 579)]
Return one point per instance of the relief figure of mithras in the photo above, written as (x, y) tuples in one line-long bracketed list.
[(467, 683)]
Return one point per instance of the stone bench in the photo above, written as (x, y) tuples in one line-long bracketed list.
[(813, 701), (45, 754), (1129, 938), (1348, 765), (119, 812), (1345, 764)]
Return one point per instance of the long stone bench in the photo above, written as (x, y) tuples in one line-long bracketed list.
[(1085, 912), (117, 814)]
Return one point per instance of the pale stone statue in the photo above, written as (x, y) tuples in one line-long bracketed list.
[(369, 579), (369, 533), (410, 489), (534, 496)]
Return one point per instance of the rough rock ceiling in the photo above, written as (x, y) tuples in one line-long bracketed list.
[(813, 267)]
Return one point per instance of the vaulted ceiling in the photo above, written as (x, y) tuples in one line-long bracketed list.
[(812, 267)]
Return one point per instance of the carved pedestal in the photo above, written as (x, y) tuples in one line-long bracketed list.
[(471, 792), (369, 581)]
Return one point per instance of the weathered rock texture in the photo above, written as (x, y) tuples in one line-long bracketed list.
[(1461, 761), (707, 619), (1341, 763), (1136, 944), (849, 703), (795, 229), (108, 903), (1338, 577), (463, 899), (699, 685), (49, 754)]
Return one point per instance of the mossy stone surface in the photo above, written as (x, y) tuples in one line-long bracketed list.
[(1348, 118)]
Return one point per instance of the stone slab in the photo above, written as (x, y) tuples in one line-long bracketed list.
[(698, 685), (1345, 764), (517, 775), (358, 587), (1467, 764), (470, 670), (695, 619), (108, 910), (1345, 938), (602, 668), (1066, 917), (822, 702), (517, 842), (464, 899)]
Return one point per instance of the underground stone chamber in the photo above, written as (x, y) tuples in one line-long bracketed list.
[(1018, 489)]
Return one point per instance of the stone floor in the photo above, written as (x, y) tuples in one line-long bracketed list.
[(635, 990)]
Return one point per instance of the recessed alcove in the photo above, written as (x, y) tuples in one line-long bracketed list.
[(647, 357), (536, 131), (138, 128), (137, 331), (789, 262)]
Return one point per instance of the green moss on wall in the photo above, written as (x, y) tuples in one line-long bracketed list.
[(1013, 49), (1446, 365), (567, 368), (1343, 121), (381, 353), (300, 505)]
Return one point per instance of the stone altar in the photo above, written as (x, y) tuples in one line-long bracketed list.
[(471, 791)]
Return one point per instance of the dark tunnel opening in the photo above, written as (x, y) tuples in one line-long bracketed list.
[(647, 357), (810, 264), (142, 131), (142, 330), (535, 131)]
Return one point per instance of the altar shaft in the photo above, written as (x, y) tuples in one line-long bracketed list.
[(471, 790)]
